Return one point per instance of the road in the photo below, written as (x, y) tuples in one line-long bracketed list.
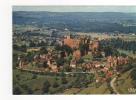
[(43, 71), (113, 86)]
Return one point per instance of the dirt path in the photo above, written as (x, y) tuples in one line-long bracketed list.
[(43, 71), (113, 86)]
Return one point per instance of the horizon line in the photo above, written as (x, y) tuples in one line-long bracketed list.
[(123, 9)]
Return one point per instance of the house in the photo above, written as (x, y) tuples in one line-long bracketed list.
[(54, 68), (68, 41), (77, 54), (93, 44), (73, 63)]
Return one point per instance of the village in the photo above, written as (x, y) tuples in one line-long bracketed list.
[(73, 54)]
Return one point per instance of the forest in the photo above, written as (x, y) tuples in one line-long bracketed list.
[(79, 21)]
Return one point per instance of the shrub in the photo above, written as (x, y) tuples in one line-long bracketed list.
[(46, 86), (17, 91), (55, 84), (34, 76), (133, 74), (64, 80)]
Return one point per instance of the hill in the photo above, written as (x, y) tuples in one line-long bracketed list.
[(79, 21)]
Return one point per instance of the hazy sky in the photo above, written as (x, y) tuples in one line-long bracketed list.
[(76, 8)]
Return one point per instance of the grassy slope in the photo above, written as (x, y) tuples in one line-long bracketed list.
[(36, 84), (91, 89), (124, 83), (71, 91), (96, 90)]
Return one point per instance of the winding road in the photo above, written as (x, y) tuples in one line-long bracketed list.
[(113, 86)]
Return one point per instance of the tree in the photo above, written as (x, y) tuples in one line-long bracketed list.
[(66, 68), (102, 74), (32, 44), (20, 48), (67, 49), (17, 90), (81, 81), (30, 56), (60, 61), (57, 47), (23, 48), (41, 44), (15, 47), (108, 50), (45, 65), (34, 76), (43, 50), (15, 60), (133, 74), (46, 86), (55, 84), (91, 77), (80, 61), (64, 80), (97, 55), (83, 48), (29, 90)]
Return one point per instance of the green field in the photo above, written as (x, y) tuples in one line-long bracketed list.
[(129, 53), (30, 83), (124, 82)]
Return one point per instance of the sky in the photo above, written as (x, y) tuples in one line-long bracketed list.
[(76, 8)]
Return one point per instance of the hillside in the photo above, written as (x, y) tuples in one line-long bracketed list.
[(79, 21)]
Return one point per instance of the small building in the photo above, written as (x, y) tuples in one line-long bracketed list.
[(77, 54), (73, 63)]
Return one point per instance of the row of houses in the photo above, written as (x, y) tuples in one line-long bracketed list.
[(111, 61)]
